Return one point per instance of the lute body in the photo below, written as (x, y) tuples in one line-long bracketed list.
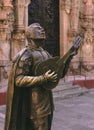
[(58, 65)]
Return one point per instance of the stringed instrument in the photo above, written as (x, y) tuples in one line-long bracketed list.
[(58, 65)]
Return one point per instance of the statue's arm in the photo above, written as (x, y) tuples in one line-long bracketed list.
[(23, 75), (29, 81)]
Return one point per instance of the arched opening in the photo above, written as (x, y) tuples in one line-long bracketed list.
[(46, 12)]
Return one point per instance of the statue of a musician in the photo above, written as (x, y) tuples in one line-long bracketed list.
[(29, 102)]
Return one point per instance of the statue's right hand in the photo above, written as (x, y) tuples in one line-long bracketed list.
[(51, 76)]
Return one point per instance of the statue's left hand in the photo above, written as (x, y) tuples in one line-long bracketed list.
[(50, 76)]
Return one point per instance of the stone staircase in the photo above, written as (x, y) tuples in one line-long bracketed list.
[(66, 90)]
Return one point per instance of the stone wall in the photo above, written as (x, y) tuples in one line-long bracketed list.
[(6, 28), (75, 15), (13, 22)]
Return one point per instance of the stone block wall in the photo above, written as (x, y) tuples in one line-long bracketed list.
[(74, 14), (13, 22)]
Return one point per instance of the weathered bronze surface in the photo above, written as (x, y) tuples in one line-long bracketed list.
[(58, 65)]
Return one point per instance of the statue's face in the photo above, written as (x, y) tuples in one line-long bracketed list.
[(35, 31), (38, 32)]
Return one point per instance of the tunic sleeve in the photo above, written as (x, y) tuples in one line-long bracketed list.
[(24, 77)]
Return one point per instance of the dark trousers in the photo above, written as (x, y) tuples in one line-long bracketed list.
[(43, 123)]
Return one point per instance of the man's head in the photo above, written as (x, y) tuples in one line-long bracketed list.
[(35, 35), (35, 31)]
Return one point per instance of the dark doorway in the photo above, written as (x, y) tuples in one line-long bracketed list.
[(46, 12)]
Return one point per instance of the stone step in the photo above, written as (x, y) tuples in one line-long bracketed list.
[(66, 90), (65, 86)]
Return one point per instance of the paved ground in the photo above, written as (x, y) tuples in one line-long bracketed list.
[(72, 113), (2, 117), (75, 113)]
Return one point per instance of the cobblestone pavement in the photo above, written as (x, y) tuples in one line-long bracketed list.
[(73, 113)]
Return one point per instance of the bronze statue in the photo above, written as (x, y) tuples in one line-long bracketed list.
[(29, 98), (58, 65)]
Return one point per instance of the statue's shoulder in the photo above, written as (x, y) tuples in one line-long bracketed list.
[(26, 55), (20, 54)]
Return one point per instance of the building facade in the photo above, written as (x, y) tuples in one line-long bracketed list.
[(62, 20)]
